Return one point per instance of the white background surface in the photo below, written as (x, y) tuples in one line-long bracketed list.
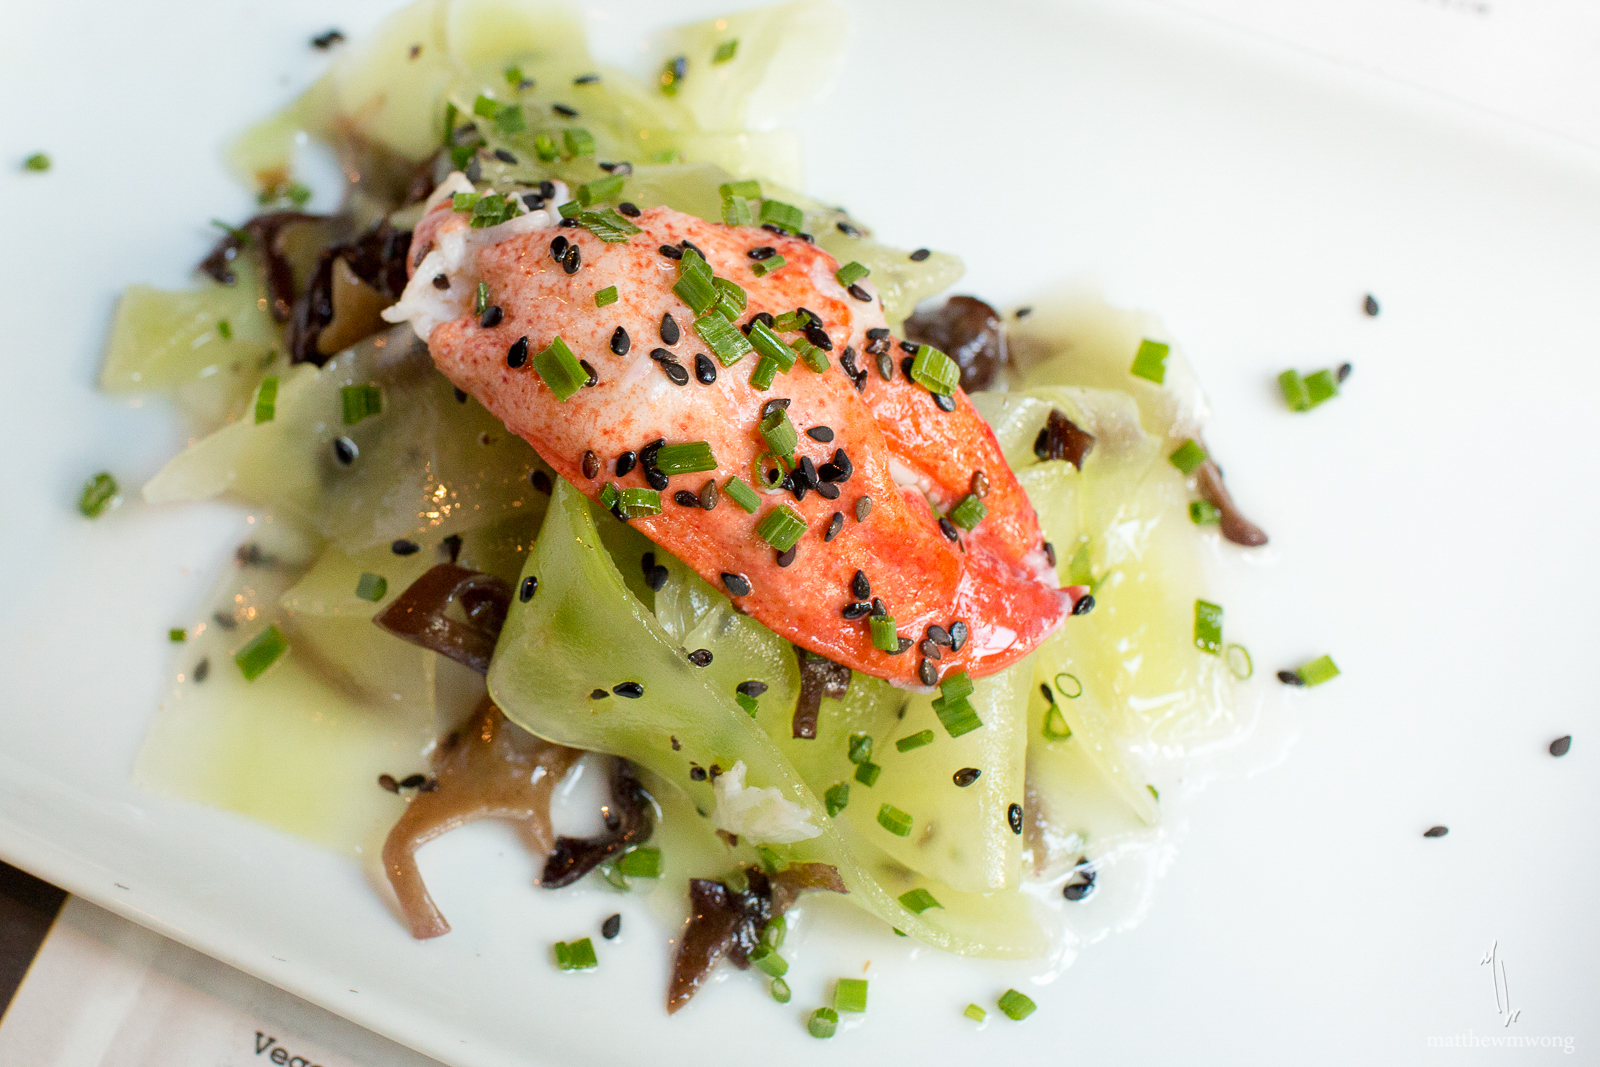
[(1432, 527)]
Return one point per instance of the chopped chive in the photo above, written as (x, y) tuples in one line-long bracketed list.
[(636, 503), (607, 188), (918, 901), (935, 371), (1294, 390), (867, 773), (837, 798), (916, 740), (177, 636), (731, 298), (1055, 724), (779, 432), (764, 267), (298, 194), (560, 369), (770, 345), (99, 493), (607, 225), (372, 587), (605, 297), (609, 496), (576, 956), (267, 399), (1321, 386), (641, 863), (695, 288), (1150, 362), (741, 493), (884, 637), (748, 703), (225, 328), (723, 338), (545, 148), (957, 716), (1239, 662), (894, 820), (1153, 790), (968, 512), (360, 402), (823, 1022), (726, 50), (749, 189), (570, 210), (768, 960), (1208, 627), (514, 77), (579, 141), (860, 750), (957, 686), (463, 201), (1203, 512), (36, 162), (761, 378), (1319, 670), (975, 1013), (260, 652), (850, 273), (1188, 456), (812, 356), (790, 320), (688, 458), (850, 994), (780, 991), (480, 302), (1077, 685), (1016, 1005), (786, 217), (782, 528), (736, 211)]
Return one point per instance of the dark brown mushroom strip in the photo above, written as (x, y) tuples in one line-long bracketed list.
[(628, 822), (819, 677), (728, 922), (1235, 527), (1062, 438), (969, 332), (490, 768), (377, 259), (266, 233), (419, 615)]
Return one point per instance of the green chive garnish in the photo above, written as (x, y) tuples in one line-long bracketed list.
[(545, 148), (1294, 390), (975, 1013), (299, 195), (641, 863), (771, 346), (1319, 670), (883, 636), (605, 297), (837, 798), (1150, 362), (1016, 1005), (579, 141), (1239, 662), (918, 901), (726, 50), (782, 528), (957, 686), (761, 378), (491, 209), (637, 503), (1153, 791), (780, 991), (968, 512), (688, 458), (607, 225), (894, 820), (560, 369), (823, 1022), (741, 493), (748, 703), (916, 740), (267, 399), (569, 210), (609, 495), (99, 493), (463, 201), (786, 217), (1321, 386), (360, 402), (1208, 626), (850, 273), (850, 994), (261, 652), (749, 189), (694, 285), (480, 302), (764, 267), (1188, 456), (607, 188), (576, 956), (935, 371), (723, 338), (1203, 512), (40, 162), (860, 750), (867, 773), (769, 961), (736, 211), (514, 77), (779, 432), (812, 356), (177, 637), (790, 320), (1055, 726), (372, 587), (956, 714), (225, 328), (731, 298)]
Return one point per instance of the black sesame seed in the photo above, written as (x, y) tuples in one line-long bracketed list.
[(927, 673), (345, 450), (778, 404), (647, 454), (858, 610), (669, 329), (324, 41), (1344, 372), (620, 343), (1561, 745), (737, 584), (629, 209), (705, 371), (807, 238), (1436, 831), (806, 473), (697, 774), (656, 577), (939, 635), (860, 587), (827, 490), (958, 635), (441, 281), (1083, 606), (684, 498), (762, 252), (1050, 553), (461, 396), (818, 336), (412, 781), (859, 293), (765, 318), (885, 364), (593, 378), (564, 110), (530, 586), (948, 528), (835, 524), (568, 224), (787, 556), (1049, 697), (1014, 818), (404, 547), (671, 251), (547, 189), (690, 246), (751, 688), (626, 462), (863, 508), (943, 402), (772, 227), (655, 479), (452, 547), (965, 776), (661, 355), (675, 371), (1370, 305), (928, 647), (532, 201), (909, 347), (474, 170), (820, 433), (709, 495), (202, 670), (1291, 678), (1023, 312), (611, 927), (1077, 890), (847, 229), (387, 782), (558, 248), (631, 690), (700, 657), (879, 608), (505, 157), (905, 644), (572, 260), (919, 255), (598, 694), (878, 333), (591, 464), (491, 317)]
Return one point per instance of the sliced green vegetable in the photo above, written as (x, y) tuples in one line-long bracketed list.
[(850, 273), (884, 637), (1208, 627), (1016, 1005), (261, 652), (576, 955), (1150, 362), (740, 492), (1294, 390), (771, 346), (860, 750), (579, 142), (812, 356), (359, 402), (1319, 670), (1321, 386), (266, 405), (749, 189), (560, 369), (736, 211), (726, 50), (786, 217), (1203, 513), (607, 225), (935, 371), (763, 267), (605, 297), (41, 162), (916, 740), (372, 587), (782, 528), (968, 512), (919, 900), (731, 299), (867, 773), (894, 820), (850, 994), (823, 1023), (779, 432), (724, 339), (607, 188), (641, 863), (780, 991), (690, 457), (177, 636), (975, 1013), (637, 503), (837, 798), (99, 493), (1188, 456)]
